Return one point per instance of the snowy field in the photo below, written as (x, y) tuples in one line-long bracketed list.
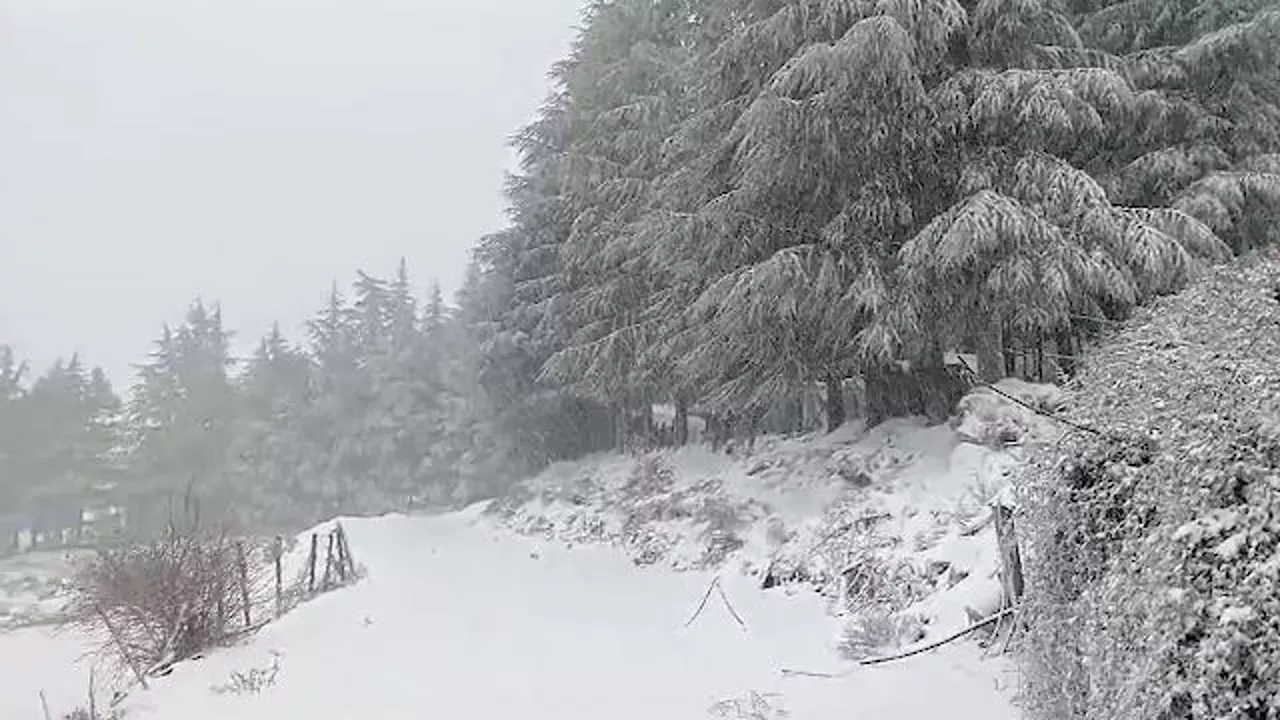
[(30, 587), (558, 605)]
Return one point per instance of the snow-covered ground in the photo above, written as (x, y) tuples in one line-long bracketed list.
[(31, 587), (574, 599)]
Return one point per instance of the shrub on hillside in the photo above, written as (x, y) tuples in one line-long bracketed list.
[(1155, 547), (652, 475), (876, 629), (152, 604)]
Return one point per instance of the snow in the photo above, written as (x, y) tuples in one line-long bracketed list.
[(543, 607), (30, 589)]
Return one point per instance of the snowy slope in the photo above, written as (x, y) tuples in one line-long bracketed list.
[(483, 625), (565, 604), (819, 509)]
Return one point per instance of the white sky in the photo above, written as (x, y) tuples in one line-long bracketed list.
[(249, 152)]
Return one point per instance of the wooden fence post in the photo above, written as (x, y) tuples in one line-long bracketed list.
[(328, 560), (341, 557), (350, 563), (243, 566), (311, 565), (1011, 577), (277, 551)]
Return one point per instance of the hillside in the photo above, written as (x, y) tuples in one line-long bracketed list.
[(1155, 529)]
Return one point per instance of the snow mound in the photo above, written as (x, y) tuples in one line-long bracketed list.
[(1012, 412), (877, 520)]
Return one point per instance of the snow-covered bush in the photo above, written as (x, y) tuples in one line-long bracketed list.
[(252, 681), (87, 714), (1154, 546), (1011, 413), (754, 706), (875, 629), (651, 476)]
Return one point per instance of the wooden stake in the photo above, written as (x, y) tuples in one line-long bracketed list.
[(328, 561), (347, 558), (311, 565), (1011, 577), (44, 704), (342, 556), (243, 567), (277, 550)]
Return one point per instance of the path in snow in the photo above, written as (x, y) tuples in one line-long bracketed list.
[(460, 620)]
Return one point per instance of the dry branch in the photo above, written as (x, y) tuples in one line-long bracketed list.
[(720, 589), (909, 652), (996, 617), (705, 596)]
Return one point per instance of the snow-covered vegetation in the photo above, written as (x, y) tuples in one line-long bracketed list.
[(735, 225), (1156, 549)]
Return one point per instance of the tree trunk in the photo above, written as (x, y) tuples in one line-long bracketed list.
[(682, 422), (835, 402), (648, 425), (1066, 353), (876, 381), (715, 431), (937, 402), (992, 366)]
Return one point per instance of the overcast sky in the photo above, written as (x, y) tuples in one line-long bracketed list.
[(249, 152)]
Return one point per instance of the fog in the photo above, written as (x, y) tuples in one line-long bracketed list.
[(247, 152)]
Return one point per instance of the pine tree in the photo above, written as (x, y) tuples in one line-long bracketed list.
[(14, 450), (623, 78), (182, 417), (271, 478)]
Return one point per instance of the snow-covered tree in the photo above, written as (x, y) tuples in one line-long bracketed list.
[(182, 414)]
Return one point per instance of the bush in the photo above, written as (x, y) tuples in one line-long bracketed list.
[(877, 628), (153, 604), (1155, 548), (652, 475), (252, 681), (754, 706), (86, 714)]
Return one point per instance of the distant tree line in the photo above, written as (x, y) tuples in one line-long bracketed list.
[(373, 411)]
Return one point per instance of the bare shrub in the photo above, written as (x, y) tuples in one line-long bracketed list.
[(153, 604), (252, 681), (652, 475), (878, 628), (871, 581), (754, 706), (87, 714)]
